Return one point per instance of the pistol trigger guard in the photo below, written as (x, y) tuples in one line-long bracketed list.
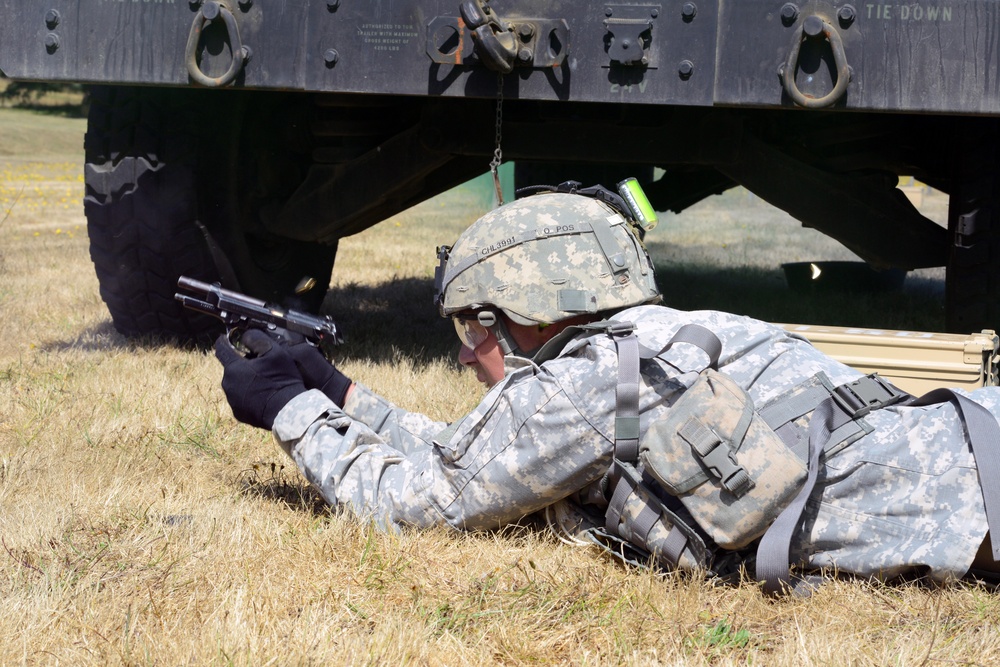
[(233, 335)]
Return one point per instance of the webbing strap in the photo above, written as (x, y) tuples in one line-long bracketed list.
[(627, 399), (696, 335), (644, 523), (773, 552), (675, 545), (613, 516), (791, 408), (626, 423)]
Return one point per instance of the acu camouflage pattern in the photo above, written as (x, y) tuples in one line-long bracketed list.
[(903, 498), (715, 418), (532, 257)]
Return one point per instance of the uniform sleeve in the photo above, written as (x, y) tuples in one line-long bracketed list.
[(525, 446), (404, 430)]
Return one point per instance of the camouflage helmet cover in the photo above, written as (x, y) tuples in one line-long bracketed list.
[(546, 258)]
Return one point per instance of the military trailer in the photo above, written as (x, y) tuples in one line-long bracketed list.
[(239, 140)]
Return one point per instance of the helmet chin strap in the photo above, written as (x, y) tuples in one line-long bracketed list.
[(498, 326), (506, 341), (489, 319)]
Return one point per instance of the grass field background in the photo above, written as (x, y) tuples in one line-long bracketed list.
[(140, 524)]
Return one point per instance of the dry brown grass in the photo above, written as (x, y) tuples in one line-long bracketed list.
[(140, 524)]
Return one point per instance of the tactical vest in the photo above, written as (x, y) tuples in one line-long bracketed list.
[(720, 483)]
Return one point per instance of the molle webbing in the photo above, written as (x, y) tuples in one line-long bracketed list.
[(623, 475), (853, 400)]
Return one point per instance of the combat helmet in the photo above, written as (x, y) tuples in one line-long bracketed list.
[(557, 253)]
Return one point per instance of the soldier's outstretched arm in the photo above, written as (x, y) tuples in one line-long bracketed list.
[(524, 447)]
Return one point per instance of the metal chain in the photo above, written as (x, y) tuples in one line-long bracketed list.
[(497, 151)]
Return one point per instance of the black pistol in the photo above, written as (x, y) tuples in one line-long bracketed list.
[(240, 312)]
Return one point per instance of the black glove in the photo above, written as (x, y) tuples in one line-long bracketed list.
[(259, 385), (318, 373)]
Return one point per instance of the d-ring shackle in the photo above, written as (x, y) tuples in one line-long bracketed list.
[(815, 27), (208, 12)]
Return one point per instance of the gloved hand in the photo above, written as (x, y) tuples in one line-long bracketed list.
[(259, 385), (318, 373)]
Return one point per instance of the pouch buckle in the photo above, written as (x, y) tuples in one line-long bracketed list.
[(717, 458)]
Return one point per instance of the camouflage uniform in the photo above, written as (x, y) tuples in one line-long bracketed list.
[(905, 497)]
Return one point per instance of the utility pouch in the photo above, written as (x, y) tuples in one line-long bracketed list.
[(658, 532), (725, 464)]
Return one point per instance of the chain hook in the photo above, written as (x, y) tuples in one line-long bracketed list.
[(495, 42)]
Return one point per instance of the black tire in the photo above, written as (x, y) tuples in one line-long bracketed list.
[(162, 167), (972, 285)]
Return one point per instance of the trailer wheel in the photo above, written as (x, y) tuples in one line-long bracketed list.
[(171, 190)]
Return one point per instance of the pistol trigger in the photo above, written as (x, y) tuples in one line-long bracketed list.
[(233, 335)]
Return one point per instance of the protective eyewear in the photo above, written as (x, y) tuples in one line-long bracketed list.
[(474, 329)]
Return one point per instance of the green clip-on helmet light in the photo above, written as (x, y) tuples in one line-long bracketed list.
[(638, 204)]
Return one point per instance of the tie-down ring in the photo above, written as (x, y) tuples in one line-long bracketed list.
[(813, 28), (208, 12)]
